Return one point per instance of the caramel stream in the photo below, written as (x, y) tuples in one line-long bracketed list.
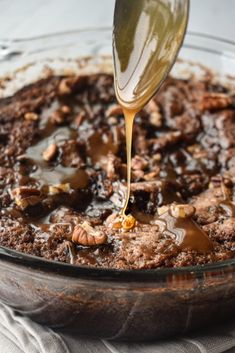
[(129, 121), (147, 36), (146, 39)]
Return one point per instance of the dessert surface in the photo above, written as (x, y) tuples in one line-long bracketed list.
[(63, 171)]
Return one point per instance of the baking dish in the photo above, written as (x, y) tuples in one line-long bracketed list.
[(124, 305)]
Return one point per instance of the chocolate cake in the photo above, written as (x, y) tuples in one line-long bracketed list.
[(63, 172)]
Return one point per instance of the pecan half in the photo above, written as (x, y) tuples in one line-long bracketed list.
[(86, 235)]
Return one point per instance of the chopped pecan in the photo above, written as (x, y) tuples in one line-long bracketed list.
[(66, 109), (57, 117), (50, 152), (157, 157), (119, 222), (136, 175), (31, 116), (65, 86), (147, 186), (215, 101), (156, 119), (182, 211), (57, 189), (26, 196), (163, 209), (152, 175), (110, 164), (86, 235), (114, 221)]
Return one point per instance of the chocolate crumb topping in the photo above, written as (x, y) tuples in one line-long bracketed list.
[(63, 173)]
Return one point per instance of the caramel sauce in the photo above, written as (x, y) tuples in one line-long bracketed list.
[(47, 173), (99, 146), (129, 120), (186, 233)]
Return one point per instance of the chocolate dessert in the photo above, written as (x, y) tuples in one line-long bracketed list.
[(63, 174)]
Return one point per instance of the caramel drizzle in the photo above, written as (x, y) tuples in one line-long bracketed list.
[(185, 231), (129, 120)]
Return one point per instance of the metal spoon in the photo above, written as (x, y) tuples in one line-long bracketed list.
[(147, 36)]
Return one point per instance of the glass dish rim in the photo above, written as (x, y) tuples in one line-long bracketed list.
[(89, 273)]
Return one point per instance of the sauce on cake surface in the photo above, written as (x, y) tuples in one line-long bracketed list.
[(63, 171)]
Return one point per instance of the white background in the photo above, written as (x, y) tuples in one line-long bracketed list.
[(27, 18)]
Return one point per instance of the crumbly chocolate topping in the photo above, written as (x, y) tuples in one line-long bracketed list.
[(63, 171)]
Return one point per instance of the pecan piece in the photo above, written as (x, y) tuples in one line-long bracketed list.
[(25, 196), (123, 222), (50, 152), (182, 211), (152, 175), (215, 101), (65, 86), (57, 189), (31, 116), (66, 109), (86, 235), (114, 221), (163, 209)]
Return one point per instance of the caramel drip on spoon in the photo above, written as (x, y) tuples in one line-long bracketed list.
[(129, 120)]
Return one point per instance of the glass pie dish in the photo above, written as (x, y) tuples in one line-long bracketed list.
[(110, 303)]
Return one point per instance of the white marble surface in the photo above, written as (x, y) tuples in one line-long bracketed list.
[(27, 18)]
